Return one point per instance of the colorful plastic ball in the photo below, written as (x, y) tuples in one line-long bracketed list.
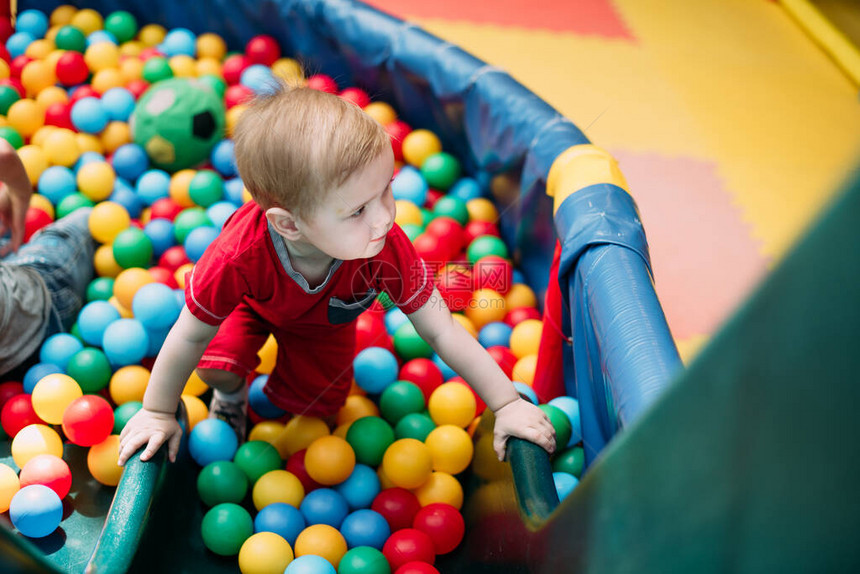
[(11, 135), (91, 369), (206, 187), (56, 183), (132, 248), (187, 220), (364, 560), (260, 403), (222, 481), (494, 334), (299, 432), (527, 392), (369, 437), (296, 465), (450, 448), (564, 484), (128, 384), (310, 564), (322, 540), (34, 22), (223, 158), (127, 284), (212, 440), (152, 185), (570, 407), (263, 49), (161, 234), (156, 69), (493, 272), (58, 349), (443, 524), (122, 24), (560, 422), (414, 425), (9, 485), (441, 170), (107, 220), (423, 373), (125, 342), (179, 41), (155, 306), (102, 461), (452, 404), (35, 373), (361, 488), (89, 116), (265, 553), (365, 527), (34, 220), (408, 545), (409, 185), (570, 461), (48, 470), (374, 369), (330, 460), (8, 96), (400, 399), (88, 420), (118, 104), (420, 144), (283, 519), (36, 511), (225, 528), (52, 394), (33, 440), (17, 413), (520, 314), (525, 338), (130, 161), (219, 213), (18, 42), (277, 486), (398, 506), (256, 458), (416, 567), (123, 413), (440, 487), (407, 462), (198, 240), (324, 506)]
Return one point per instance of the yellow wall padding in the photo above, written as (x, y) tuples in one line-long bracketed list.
[(578, 167)]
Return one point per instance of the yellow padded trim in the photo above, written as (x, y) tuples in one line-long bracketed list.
[(581, 166)]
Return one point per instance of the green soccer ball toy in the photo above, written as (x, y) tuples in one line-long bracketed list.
[(177, 122)]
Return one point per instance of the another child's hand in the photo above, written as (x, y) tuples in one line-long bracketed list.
[(150, 428), (524, 420)]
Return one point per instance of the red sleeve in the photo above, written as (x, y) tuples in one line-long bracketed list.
[(410, 283), (215, 286)]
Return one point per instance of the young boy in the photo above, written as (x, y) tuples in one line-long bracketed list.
[(302, 261)]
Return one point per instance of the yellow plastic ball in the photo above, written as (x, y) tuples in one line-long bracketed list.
[(268, 355), (124, 312), (101, 56), (52, 394), (104, 262), (39, 49), (195, 385), (299, 432), (127, 283), (520, 295), (341, 430), (9, 485), (35, 161), (211, 45), (96, 180), (329, 460), (486, 306), (87, 21), (466, 323), (208, 67), (232, 117), (384, 481), (104, 80), (61, 147), (277, 486), (524, 370), (482, 209), (266, 431), (440, 487), (26, 116), (288, 69), (51, 95), (33, 440), (43, 203), (196, 409), (36, 76), (89, 142), (407, 463), (525, 337), (407, 213), (179, 184), (41, 135), (51, 34), (152, 34), (62, 15), (420, 144), (322, 540), (356, 407), (265, 553), (452, 404), (180, 274), (102, 461), (381, 112), (246, 195), (128, 384), (52, 60), (130, 69), (450, 448), (115, 134), (131, 48), (5, 71), (183, 66)]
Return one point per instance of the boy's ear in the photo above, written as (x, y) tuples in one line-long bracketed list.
[(284, 222)]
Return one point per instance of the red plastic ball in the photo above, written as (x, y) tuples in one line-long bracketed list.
[(408, 545), (370, 332), (17, 65), (397, 131), (163, 276), (433, 249), (504, 358), (137, 87), (450, 230), (15, 83), (454, 283), (237, 94), (83, 91), (433, 195), (18, 413), (520, 314), (150, 52), (48, 470), (59, 114), (262, 49), (296, 465), (355, 95), (72, 69), (424, 373), (165, 208), (233, 67), (398, 506), (322, 83), (35, 220), (88, 420), (477, 228), (443, 524), (493, 272), (173, 258), (417, 568), (8, 390)]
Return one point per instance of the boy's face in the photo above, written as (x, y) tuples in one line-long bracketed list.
[(353, 222)]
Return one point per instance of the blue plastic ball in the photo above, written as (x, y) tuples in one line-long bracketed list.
[(156, 340), (447, 372), (281, 518), (527, 392), (465, 189), (34, 22), (495, 334), (17, 43), (101, 36), (155, 306), (564, 483), (394, 318), (198, 240), (219, 212), (160, 232), (324, 506), (365, 527), (124, 194), (153, 185), (360, 488), (179, 41), (130, 161), (570, 407), (89, 116), (56, 183), (223, 158), (310, 564), (517, 277), (260, 403), (59, 349), (94, 319), (118, 103), (374, 368), (258, 78), (211, 440), (36, 510), (88, 157), (234, 191), (125, 342), (36, 373), (410, 185)]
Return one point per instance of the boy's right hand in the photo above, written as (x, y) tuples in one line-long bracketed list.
[(150, 428)]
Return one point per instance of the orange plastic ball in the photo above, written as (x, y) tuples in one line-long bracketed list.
[(35, 161), (322, 540), (102, 55), (26, 116), (183, 66), (486, 306), (87, 21), (124, 312), (440, 487), (211, 45), (407, 213), (52, 95), (115, 134), (482, 209), (265, 553), (106, 221), (520, 295), (208, 67), (104, 80), (355, 407), (104, 262), (152, 34), (329, 460), (381, 112), (299, 432), (89, 142), (268, 354), (179, 184), (128, 384), (131, 69), (36, 76), (407, 463), (127, 283), (451, 448), (452, 403), (102, 461), (9, 486), (62, 15), (524, 370)]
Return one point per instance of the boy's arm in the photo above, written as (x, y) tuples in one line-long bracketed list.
[(460, 351), (15, 192), (156, 422)]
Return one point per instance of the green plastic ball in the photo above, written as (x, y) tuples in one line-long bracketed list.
[(222, 481), (11, 135), (8, 96), (72, 202), (122, 25), (75, 332), (178, 122), (364, 560), (123, 413), (156, 69), (414, 425), (560, 422), (215, 83), (399, 399), (369, 437), (441, 170), (452, 207), (206, 188), (409, 344), (70, 38), (426, 217), (411, 230), (256, 457), (225, 528), (100, 289), (570, 461), (187, 220), (486, 245), (91, 369), (132, 248)]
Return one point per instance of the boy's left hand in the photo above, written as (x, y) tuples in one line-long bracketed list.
[(524, 420)]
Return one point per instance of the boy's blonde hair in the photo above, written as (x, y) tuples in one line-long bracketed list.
[(295, 145)]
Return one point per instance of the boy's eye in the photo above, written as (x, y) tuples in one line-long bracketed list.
[(358, 212)]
